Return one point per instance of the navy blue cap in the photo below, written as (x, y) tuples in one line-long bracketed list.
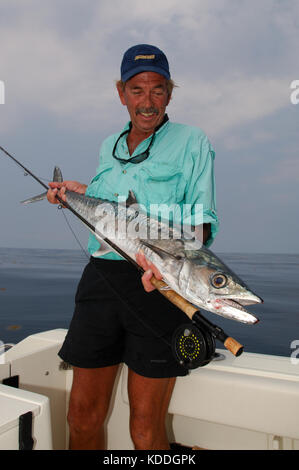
[(143, 58)]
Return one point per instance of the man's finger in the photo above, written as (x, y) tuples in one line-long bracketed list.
[(51, 195), (146, 281), (141, 260), (155, 270), (62, 193), (54, 184)]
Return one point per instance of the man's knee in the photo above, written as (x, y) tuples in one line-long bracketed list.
[(143, 438), (144, 429), (87, 419)]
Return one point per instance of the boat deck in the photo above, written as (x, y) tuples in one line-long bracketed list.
[(248, 402)]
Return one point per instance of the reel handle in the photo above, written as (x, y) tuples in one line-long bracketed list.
[(233, 346), (192, 312)]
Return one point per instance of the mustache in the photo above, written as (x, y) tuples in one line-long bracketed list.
[(147, 110)]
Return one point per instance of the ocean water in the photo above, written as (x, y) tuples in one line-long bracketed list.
[(37, 289)]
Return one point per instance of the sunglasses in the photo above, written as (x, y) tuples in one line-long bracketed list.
[(141, 156)]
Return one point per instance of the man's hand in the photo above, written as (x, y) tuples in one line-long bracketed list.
[(60, 188), (150, 271)]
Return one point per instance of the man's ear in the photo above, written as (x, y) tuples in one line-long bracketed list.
[(121, 94)]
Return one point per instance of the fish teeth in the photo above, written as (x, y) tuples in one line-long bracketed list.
[(235, 304)]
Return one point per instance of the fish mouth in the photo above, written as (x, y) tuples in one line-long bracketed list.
[(235, 310)]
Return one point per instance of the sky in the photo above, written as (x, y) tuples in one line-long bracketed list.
[(233, 61)]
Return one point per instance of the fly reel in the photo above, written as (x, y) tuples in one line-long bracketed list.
[(193, 346)]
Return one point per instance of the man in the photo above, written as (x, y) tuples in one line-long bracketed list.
[(115, 320)]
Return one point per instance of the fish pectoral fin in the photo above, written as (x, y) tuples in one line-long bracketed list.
[(103, 250), (37, 198), (166, 248)]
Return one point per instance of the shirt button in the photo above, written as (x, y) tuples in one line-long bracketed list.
[(115, 194), (124, 172)]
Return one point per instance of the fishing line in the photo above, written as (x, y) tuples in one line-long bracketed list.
[(73, 232), (196, 317)]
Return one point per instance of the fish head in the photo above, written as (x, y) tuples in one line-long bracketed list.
[(216, 288), (203, 279)]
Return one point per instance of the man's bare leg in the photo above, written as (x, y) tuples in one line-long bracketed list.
[(89, 403), (149, 401)]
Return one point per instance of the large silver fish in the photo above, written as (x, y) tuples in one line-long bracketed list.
[(187, 266)]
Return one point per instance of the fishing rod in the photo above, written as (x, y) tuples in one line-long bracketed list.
[(191, 346)]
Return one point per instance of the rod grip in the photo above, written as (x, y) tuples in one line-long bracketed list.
[(173, 297), (233, 346)]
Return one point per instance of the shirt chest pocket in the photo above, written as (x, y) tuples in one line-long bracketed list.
[(161, 184), (99, 185)]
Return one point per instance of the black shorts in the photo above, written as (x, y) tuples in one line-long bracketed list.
[(116, 321)]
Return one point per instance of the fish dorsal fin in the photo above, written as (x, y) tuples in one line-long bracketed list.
[(131, 199), (57, 175)]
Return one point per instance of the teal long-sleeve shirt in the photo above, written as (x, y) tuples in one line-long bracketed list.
[(179, 171)]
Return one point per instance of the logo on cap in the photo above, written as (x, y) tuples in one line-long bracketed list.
[(144, 57)]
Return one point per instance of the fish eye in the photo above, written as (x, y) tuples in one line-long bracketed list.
[(218, 280)]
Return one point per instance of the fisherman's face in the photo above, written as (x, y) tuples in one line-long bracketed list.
[(146, 98)]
